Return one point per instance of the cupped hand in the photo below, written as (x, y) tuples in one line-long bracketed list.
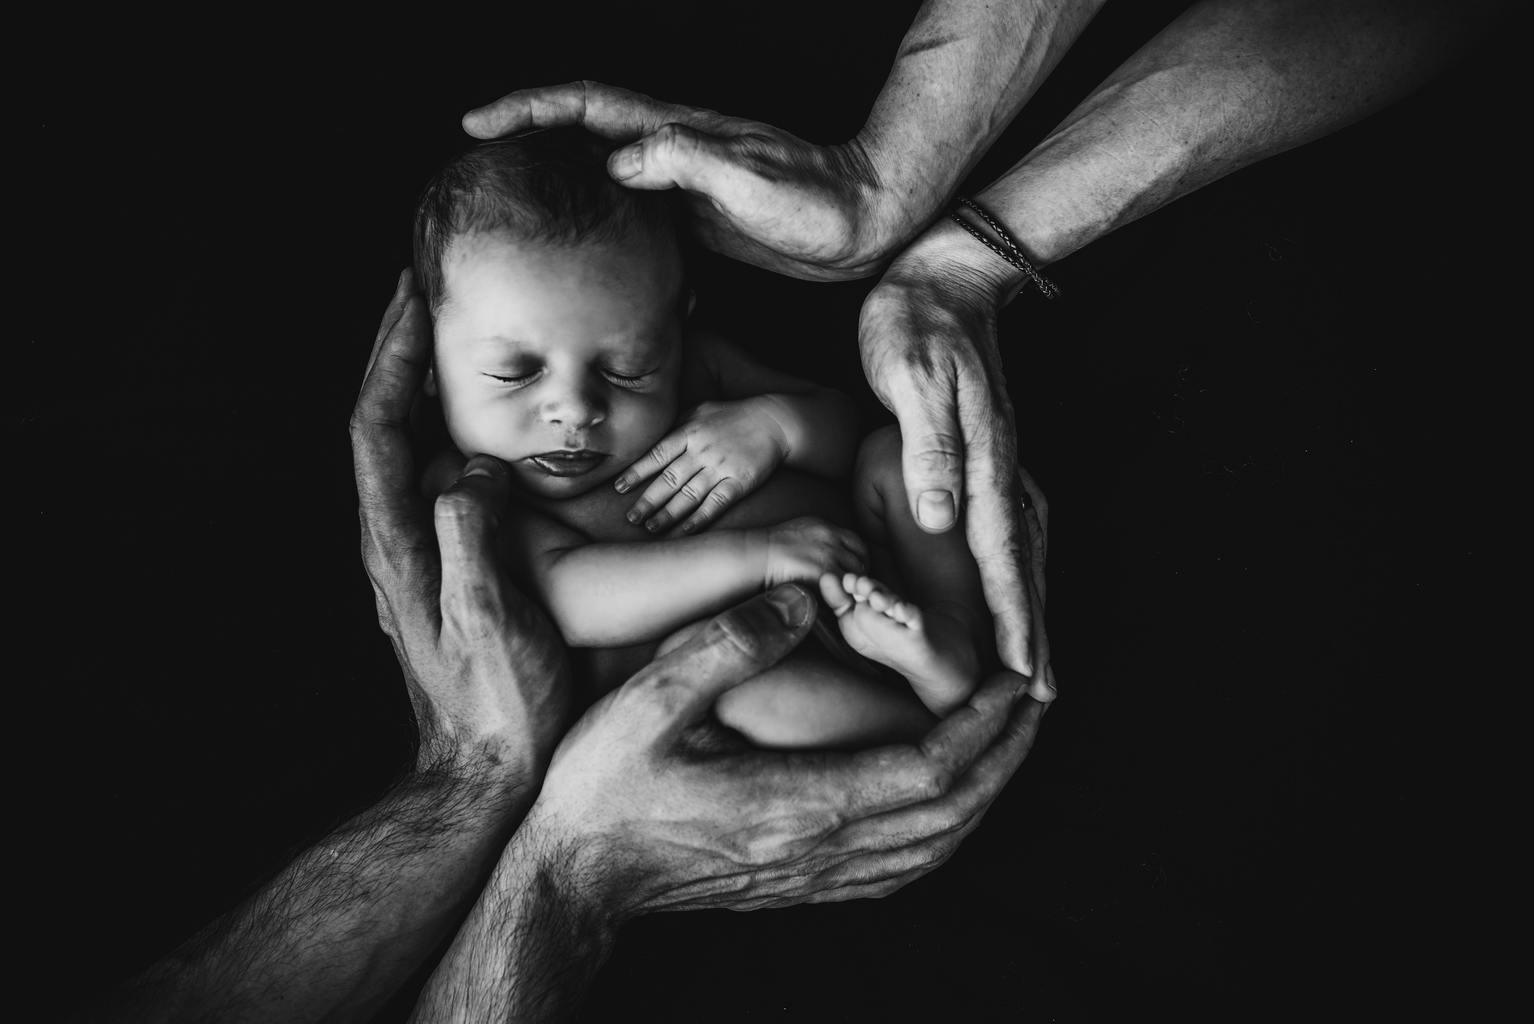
[(717, 455), (927, 335), (756, 193), (485, 669), (646, 808)]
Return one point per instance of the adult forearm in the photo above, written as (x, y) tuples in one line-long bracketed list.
[(614, 594), (1227, 84), (340, 928), (963, 70), (529, 948)]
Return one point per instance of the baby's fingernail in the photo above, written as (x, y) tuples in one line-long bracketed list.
[(632, 516), (652, 525), (935, 509), (792, 605), (626, 162), (688, 527), (621, 485)]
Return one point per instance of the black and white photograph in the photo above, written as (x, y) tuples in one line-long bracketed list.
[(923, 511)]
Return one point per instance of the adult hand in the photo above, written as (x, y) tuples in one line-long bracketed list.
[(927, 335), (757, 194), (485, 670), (637, 815)]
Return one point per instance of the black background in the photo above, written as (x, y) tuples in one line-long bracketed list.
[(1267, 419)]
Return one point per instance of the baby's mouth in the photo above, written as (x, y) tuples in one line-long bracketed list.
[(565, 462)]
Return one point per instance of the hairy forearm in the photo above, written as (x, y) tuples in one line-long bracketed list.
[(340, 928), (613, 594), (964, 69), (1227, 84), (819, 429), (529, 948)]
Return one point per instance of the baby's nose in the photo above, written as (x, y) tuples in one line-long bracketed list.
[(575, 408)]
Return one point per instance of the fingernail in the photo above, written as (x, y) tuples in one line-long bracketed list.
[(632, 516), (621, 485), (477, 466), (792, 605), (652, 525), (934, 509), (626, 162)]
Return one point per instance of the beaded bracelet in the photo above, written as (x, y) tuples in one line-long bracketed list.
[(1011, 253)]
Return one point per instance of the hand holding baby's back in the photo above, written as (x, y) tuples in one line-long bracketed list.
[(800, 550)]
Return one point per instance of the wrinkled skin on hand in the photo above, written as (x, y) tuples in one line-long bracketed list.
[(484, 667), (927, 336), (648, 806), (756, 193)]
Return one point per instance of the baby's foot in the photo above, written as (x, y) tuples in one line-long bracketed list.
[(932, 650)]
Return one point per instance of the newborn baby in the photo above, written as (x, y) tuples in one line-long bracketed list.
[(560, 304)]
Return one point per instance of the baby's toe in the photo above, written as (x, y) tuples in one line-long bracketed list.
[(835, 592), (907, 614), (880, 600), (865, 586)]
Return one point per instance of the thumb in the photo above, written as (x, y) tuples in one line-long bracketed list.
[(467, 514), (673, 691), (676, 156), (931, 457)]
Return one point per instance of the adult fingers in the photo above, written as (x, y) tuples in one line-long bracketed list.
[(402, 289), (652, 461), (955, 812), (672, 691), (932, 446), (467, 514), (678, 156), (608, 111), (993, 524), (834, 789), (396, 545)]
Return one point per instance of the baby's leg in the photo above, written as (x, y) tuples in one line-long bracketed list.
[(809, 701), (936, 639)]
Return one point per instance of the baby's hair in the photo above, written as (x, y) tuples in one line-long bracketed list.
[(549, 185)]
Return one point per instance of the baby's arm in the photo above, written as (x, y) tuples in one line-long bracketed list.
[(818, 424), (611, 594)]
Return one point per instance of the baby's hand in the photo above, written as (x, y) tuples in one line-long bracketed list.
[(719, 453), (800, 550)]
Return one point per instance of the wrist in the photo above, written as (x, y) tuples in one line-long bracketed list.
[(895, 198), (493, 773), (779, 423), (946, 252)]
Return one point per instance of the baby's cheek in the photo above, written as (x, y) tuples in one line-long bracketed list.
[(644, 420)]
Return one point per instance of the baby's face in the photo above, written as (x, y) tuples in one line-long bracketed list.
[(563, 361)]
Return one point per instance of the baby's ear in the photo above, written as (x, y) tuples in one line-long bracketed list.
[(429, 385)]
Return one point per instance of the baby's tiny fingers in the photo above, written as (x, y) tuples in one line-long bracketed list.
[(652, 462), (720, 498), (662, 488), (687, 498)]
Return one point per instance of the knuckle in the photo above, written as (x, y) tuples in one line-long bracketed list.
[(934, 781), (938, 454)]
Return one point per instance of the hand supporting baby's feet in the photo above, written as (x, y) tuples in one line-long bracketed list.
[(932, 649)]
